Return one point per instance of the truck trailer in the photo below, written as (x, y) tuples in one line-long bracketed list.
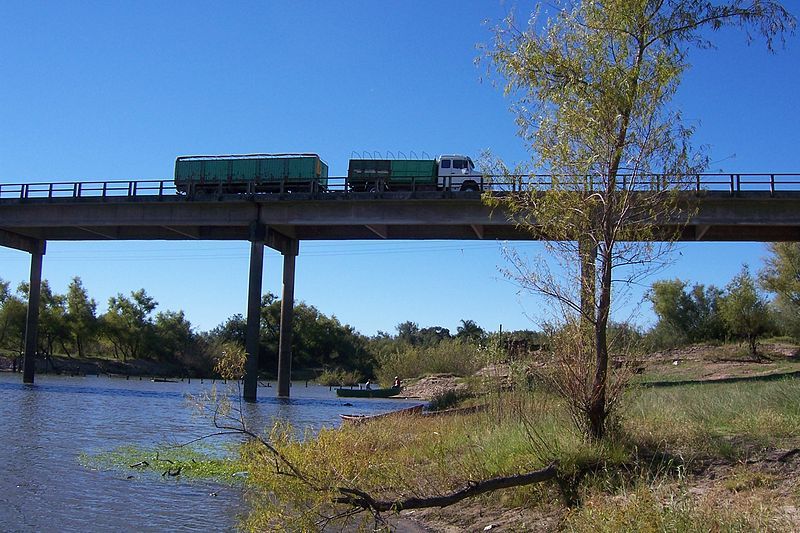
[(254, 173)]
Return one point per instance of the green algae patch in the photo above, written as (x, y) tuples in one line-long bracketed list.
[(195, 462)]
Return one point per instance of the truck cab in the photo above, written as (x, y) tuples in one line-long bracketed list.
[(457, 173)]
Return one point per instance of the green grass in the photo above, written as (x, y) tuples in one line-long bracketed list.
[(715, 419)]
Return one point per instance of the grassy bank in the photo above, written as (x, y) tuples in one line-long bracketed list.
[(695, 457)]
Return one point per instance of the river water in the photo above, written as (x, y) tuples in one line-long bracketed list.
[(47, 427)]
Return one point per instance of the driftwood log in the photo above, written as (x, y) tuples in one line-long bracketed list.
[(365, 501)]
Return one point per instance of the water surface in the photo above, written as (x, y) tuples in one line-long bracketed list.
[(45, 428)]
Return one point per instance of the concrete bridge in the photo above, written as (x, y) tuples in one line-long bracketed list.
[(764, 207)]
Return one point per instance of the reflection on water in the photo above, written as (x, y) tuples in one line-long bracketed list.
[(46, 427)]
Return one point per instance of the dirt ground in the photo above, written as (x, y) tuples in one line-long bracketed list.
[(708, 362), (429, 386)]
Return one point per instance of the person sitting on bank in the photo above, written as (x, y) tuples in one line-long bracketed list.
[(396, 384), (368, 385)]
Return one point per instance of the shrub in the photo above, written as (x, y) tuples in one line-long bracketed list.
[(338, 376), (455, 356)]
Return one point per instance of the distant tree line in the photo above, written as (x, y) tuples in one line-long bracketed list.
[(742, 310), (70, 325), (133, 328)]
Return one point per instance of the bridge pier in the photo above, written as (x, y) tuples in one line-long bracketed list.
[(32, 317), (253, 319), (261, 236), (287, 313)]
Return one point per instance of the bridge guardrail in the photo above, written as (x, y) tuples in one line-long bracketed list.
[(731, 183)]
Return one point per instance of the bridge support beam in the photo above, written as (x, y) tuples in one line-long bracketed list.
[(32, 318), (287, 313), (253, 319)]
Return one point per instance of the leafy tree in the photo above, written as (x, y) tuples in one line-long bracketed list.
[(745, 310), (408, 332), (4, 290), (53, 324), (594, 86), (234, 329), (781, 275), (173, 335), (686, 315), (433, 335), (471, 331), (319, 341), (81, 315), (12, 318), (127, 323)]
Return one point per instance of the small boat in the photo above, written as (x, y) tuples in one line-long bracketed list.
[(163, 380), (368, 393)]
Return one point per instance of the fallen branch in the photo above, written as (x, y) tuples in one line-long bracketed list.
[(779, 456), (365, 501), (458, 411)]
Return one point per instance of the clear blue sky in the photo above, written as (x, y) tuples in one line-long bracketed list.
[(116, 90)]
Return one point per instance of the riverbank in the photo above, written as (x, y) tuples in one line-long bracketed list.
[(138, 368), (700, 454), (83, 366)]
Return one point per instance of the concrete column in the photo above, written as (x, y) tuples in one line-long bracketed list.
[(287, 311), (32, 319), (253, 320)]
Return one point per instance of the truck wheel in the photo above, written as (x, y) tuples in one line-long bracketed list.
[(469, 186)]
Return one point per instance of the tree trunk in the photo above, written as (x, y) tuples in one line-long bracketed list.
[(3, 331), (64, 347), (752, 341), (597, 408), (588, 258)]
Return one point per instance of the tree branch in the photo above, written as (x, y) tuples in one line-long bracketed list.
[(363, 500)]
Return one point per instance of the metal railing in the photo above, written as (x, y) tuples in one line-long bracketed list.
[(88, 189), (731, 183)]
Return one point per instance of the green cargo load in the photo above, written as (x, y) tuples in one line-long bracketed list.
[(251, 173), (421, 171), (379, 174)]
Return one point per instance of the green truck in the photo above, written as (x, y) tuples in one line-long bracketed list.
[(446, 172), (253, 173)]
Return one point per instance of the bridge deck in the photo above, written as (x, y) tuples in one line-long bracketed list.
[(745, 216)]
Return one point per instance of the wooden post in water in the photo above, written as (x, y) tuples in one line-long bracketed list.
[(32, 318), (287, 312), (253, 319)]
